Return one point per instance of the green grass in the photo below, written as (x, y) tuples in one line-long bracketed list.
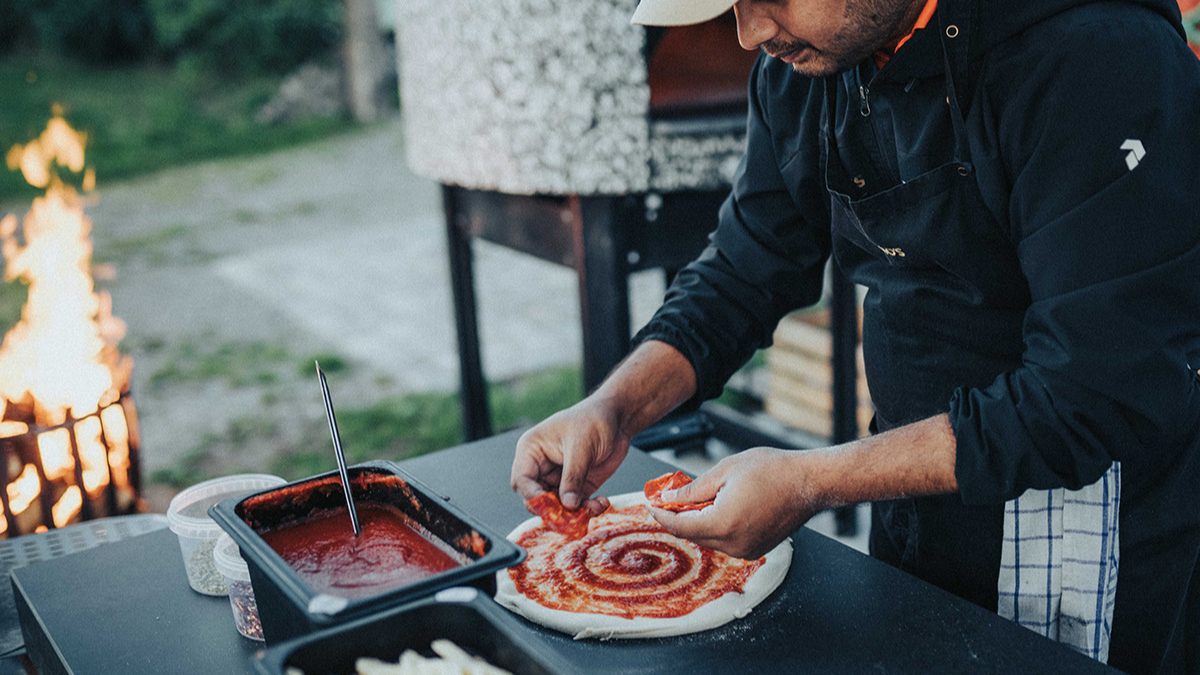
[(141, 118), (238, 364), (395, 428), (740, 400), (414, 424), (12, 298), (330, 363), (153, 247)]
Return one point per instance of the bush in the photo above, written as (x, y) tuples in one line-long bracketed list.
[(103, 31), (16, 30), (247, 36)]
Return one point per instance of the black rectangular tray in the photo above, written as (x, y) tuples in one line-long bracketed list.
[(289, 607), (462, 615)]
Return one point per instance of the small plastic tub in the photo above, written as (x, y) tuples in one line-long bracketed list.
[(241, 594), (188, 518)]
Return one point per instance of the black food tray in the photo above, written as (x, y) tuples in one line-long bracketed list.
[(285, 601), (462, 615)]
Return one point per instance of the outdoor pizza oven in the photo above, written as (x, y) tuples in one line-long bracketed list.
[(561, 97), (560, 130)]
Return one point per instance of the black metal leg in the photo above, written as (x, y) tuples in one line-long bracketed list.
[(600, 249), (476, 416), (844, 325)]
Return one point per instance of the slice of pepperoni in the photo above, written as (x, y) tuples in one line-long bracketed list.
[(572, 524), (671, 481)]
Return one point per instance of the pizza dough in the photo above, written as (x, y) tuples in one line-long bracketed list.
[(649, 552)]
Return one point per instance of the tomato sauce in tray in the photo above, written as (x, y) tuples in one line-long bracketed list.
[(392, 550)]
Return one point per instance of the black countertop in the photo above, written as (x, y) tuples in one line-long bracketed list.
[(837, 611), (126, 607)]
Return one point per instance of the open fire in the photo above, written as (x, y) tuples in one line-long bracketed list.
[(68, 426)]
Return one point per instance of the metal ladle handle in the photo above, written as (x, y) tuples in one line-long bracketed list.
[(337, 448)]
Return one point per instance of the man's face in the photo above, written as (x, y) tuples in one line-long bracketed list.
[(821, 37)]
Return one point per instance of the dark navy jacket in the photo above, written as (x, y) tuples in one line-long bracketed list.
[(1057, 322)]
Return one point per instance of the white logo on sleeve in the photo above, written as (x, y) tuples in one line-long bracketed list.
[(1136, 152)]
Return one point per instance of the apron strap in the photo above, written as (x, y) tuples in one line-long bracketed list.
[(956, 22)]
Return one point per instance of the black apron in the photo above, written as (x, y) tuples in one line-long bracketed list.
[(904, 244)]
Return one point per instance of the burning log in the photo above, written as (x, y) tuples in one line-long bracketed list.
[(68, 426)]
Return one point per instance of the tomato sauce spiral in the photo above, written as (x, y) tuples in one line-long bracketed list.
[(627, 565)]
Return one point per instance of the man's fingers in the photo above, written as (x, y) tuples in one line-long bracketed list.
[(704, 488), (527, 487), (597, 506), (576, 463), (699, 526), (526, 470)]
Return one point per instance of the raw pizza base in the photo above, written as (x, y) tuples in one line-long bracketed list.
[(732, 605)]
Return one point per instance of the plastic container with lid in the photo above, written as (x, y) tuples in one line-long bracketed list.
[(188, 518), (241, 594)]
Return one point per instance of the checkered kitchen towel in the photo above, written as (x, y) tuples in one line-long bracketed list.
[(1058, 566)]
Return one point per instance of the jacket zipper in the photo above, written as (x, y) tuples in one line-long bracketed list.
[(864, 109)]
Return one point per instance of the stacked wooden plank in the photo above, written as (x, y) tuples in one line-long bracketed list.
[(800, 376)]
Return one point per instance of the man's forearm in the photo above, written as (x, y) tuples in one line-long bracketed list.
[(648, 384), (912, 460)]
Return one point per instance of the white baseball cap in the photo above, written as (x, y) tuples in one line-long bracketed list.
[(678, 12)]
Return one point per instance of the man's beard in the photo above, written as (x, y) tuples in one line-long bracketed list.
[(870, 25)]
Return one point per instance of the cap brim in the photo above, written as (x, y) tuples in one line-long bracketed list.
[(678, 12)]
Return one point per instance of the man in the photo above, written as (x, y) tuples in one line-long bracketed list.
[(1016, 183)]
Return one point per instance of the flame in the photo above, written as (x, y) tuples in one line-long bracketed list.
[(91, 455), (68, 506), (58, 144), (54, 447), (61, 376), (117, 433), (8, 428), (23, 490), (60, 352)]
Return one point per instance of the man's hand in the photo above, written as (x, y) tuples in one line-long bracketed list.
[(762, 496), (574, 452)]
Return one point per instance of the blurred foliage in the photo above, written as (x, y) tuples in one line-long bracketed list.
[(141, 118), (104, 31), (16, 27), (248, 36)]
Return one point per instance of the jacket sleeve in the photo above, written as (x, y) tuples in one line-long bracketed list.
[(768, 253), (1101, 141)]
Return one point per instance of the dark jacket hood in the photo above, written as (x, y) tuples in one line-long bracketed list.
[(999, 20), (996, 21)]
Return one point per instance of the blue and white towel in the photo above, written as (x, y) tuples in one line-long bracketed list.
[(1058, 566)]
